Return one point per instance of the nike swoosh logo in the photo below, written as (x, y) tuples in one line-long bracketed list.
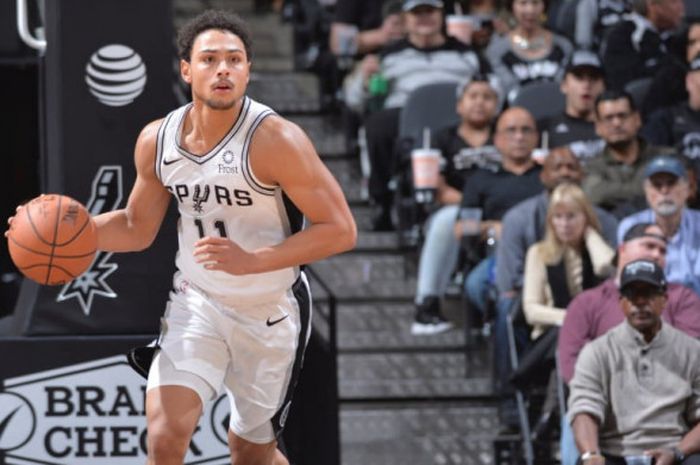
[(6, 421), (274, 322), (170, 162)]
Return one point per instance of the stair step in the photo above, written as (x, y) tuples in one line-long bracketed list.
[(387, 326), (326, 132), (358, 277), (347, 172), (412, 375), (448, 433), (286, 92), (368, 241)]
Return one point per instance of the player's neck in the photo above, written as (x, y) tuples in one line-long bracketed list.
[(204, 127)]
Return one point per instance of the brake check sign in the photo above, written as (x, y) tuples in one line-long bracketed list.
[(91, 413)]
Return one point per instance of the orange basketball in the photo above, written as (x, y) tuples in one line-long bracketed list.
[(53, 239)]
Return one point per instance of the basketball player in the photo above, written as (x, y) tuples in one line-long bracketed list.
[(239, 315)]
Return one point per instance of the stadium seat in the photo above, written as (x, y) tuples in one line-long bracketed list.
[(542, 99), (638, 89), (431, 106)]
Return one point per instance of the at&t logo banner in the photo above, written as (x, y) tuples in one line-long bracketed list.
[(91, 413)]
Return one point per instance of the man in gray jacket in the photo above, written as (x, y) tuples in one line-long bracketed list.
[(636, 389)]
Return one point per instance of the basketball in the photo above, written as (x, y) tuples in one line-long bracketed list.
[(53, 239)]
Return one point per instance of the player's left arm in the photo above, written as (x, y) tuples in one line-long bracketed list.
[(282, 154)]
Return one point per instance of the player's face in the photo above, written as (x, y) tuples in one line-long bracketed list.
[(218, 70)]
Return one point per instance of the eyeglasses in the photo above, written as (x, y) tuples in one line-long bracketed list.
[(511, 131), (622, 116)]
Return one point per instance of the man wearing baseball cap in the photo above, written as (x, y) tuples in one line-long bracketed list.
[(679, 125), (667, 189), (582, 84), (635, 389)]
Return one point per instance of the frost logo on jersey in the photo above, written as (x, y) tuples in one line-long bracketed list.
[(115, 75), (228, 157), (106, 196), (198, 198)]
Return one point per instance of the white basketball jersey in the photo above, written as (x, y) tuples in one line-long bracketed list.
[(218, 195)]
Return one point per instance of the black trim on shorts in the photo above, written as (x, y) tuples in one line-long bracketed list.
[(301, 293)]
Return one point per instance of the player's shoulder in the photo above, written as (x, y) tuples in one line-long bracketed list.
[(279, 132), (149, 133)]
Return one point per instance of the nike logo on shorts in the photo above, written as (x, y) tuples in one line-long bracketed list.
[(274, 322)]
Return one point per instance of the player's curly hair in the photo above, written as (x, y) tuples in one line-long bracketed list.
[(212, 19)]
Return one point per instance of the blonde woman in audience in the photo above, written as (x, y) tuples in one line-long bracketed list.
[(572, 257)]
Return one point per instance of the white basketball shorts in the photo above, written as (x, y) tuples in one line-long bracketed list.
[(254, 352)]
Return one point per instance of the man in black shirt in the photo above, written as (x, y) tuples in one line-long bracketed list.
[(679, 125), (575, 128), (639, 46)]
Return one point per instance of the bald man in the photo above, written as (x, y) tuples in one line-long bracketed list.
[(494, 192)]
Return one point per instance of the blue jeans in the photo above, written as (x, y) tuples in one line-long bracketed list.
[(438, 258), (569, 451), (478, 283)]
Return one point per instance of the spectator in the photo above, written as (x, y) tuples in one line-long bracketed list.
[(529, 52), (572, 257), (614, 177), (637, 47), (679, 126), (364, 26), (425, 56), (461, 146), (595, 17), (478, 102), (494, 191), (636, 389), (667, 190), (668, 85), (592, 313), (582, 84)]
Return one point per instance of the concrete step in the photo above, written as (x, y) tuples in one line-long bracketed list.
[(326, 132), (347, 172), (434, 434), (286, 92), (387, 326), (414, 375), (364, 277), (369, 241)]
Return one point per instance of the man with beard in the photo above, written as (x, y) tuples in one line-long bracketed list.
[(635, 391), (666, 187), (614, 177)]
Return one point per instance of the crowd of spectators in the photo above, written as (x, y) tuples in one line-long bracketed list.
[(586, 215)]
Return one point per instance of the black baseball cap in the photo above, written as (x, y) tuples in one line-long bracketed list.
[(642, 271), (640, 230), (584, 60), (408, 5)]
